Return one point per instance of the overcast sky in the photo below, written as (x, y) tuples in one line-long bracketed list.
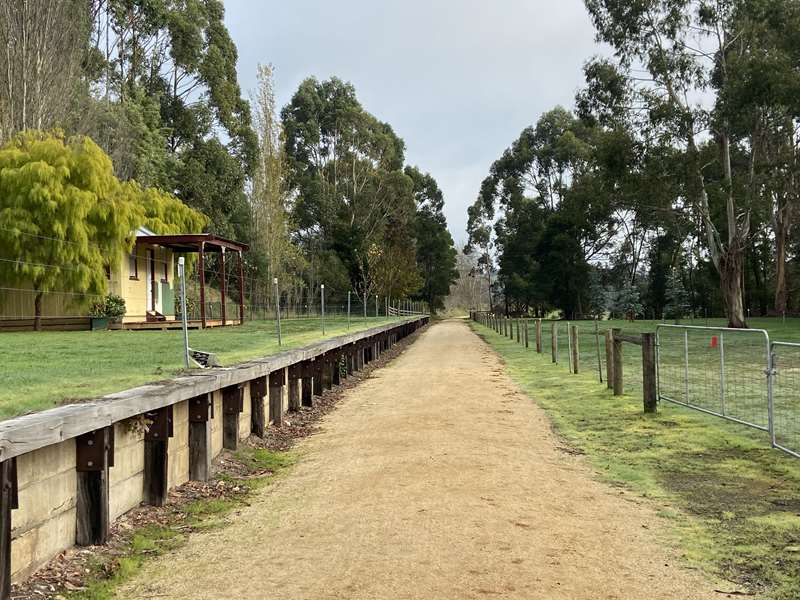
[(456, 79)]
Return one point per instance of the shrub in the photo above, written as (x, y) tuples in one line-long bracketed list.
[(110, 307)]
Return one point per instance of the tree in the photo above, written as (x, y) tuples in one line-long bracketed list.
[(691, 49), (65, 217), (269, 199), (345, 167), (45, 45), (167, 104), (435, 252), (677, 298)]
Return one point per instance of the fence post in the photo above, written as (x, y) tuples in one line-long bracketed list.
[(617, 360), (539, 336), (575, 350), (649, 372), (554, 342), (609, 359), (526, 334), (518, 338)]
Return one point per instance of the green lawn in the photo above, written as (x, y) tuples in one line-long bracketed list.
[(43, 369), (731, 503)]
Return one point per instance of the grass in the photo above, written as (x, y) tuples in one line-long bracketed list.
[(109, 572), (732, 504), (44, 369)]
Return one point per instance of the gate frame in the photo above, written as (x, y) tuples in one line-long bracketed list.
[(775, 370), (768, 371)]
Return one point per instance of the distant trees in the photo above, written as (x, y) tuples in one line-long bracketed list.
[(354, 202), (45, 45), (677, 172), (319, 190)]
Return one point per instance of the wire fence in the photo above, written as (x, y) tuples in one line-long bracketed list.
[(735, 374)]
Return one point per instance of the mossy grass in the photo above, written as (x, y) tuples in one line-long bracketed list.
[(730, 503)]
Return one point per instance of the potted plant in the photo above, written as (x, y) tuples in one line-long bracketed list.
[(110, 309)]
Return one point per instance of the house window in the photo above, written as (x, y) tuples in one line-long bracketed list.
[(133, 269)]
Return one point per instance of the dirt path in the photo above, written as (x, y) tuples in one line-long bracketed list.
[(434, 479)]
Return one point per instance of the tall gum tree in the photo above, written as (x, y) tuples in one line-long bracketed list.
[(687, 47)]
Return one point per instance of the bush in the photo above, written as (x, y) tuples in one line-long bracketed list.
[(110, 307)]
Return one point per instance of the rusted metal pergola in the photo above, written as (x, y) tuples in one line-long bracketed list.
[(203, 243)]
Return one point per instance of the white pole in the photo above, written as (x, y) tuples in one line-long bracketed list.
[(184, 317), (278, 310), (348, 310), (322, 290)]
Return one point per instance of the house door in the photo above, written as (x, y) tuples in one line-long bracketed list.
[(151, 280)]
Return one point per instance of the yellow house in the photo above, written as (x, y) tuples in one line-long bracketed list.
[(146, 280)]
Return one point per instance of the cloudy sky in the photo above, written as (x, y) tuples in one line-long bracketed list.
[(457, 79)]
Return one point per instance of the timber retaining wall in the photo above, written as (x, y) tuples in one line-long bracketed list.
[(67, 473)]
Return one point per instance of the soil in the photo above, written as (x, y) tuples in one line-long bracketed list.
[(434, 478)]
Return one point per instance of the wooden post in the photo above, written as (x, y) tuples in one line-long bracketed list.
[(156, 455), (539, 336), (554, 342), (336, 371), (295, 373), (650, 398), (8, 502), (576, 355), (223, 286), (526, 335), (201, 271), (241, 289), (327, 371), (258, 391), (317, 368), (517, 323), (201, 411), (232, 407), (307, 391), (609, 359), (617, 360), (277, 380), (94, 454), (350, 360)]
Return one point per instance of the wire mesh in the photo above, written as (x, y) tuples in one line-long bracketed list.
[(785, 398), (716, 370)]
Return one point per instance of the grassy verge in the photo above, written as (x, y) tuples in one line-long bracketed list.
[(108, 570), (731, 502), (43, 369)]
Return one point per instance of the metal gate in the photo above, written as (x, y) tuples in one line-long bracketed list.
[(719, 371), (786, 397)]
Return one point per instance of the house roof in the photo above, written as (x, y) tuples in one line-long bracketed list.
[(189, 242)]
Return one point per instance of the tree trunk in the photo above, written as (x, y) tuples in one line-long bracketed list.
[(37, 311), (731, 271), (781, 291)]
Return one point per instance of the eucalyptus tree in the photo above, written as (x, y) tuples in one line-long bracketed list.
[(435, 251), (693, 54), (345, 168)]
